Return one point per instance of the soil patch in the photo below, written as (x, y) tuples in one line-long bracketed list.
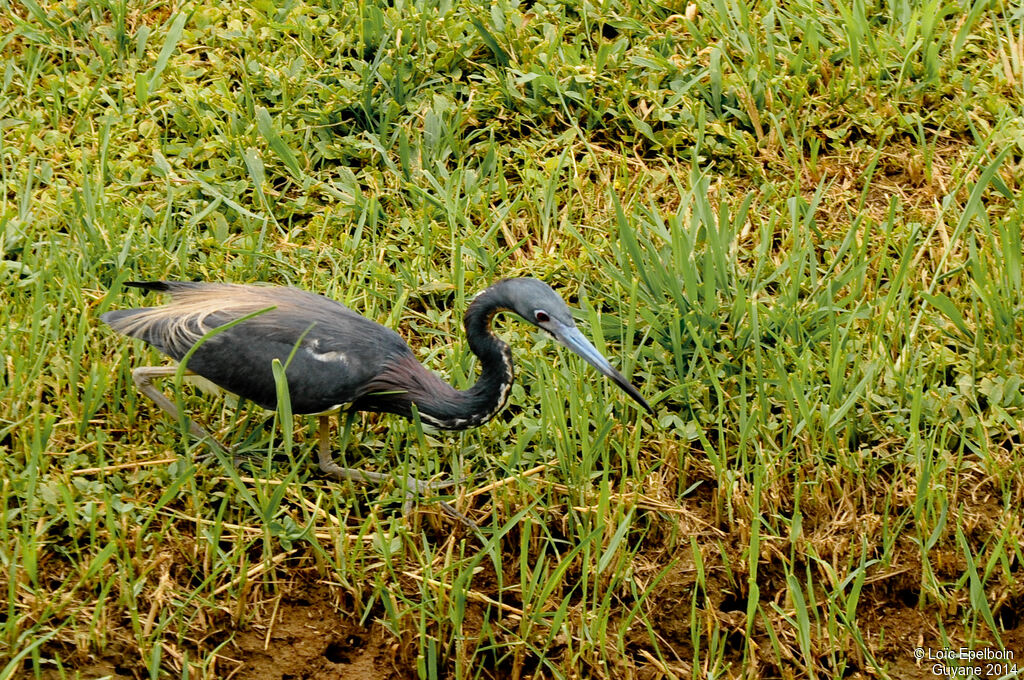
[(311, 640)]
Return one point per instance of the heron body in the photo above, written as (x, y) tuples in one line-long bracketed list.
[(342, 358), (335, 357)]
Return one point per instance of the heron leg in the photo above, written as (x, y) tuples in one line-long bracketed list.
[(335, 471), (144, 377), (411, 485)]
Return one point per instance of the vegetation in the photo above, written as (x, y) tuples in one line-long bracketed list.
[(797, 226)]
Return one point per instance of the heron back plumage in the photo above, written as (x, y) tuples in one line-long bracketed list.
[(321, 336)]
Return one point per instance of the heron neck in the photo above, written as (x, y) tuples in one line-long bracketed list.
[(462, 409), (406, 382)]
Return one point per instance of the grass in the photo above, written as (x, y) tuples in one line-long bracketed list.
[(797, 226)]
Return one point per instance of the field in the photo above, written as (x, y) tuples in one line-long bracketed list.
[(797, 227)]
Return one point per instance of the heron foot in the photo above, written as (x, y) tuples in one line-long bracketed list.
[(412, 486)]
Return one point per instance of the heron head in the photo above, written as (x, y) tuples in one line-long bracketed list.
[(536, 302)]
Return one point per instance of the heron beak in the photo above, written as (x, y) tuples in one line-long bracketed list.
[(571, 337)]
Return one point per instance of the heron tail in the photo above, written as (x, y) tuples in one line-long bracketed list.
[(149, 285)]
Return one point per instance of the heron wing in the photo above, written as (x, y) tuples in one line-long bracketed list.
[(335, 353)]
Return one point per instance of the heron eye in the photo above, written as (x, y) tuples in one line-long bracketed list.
[(541, 316)]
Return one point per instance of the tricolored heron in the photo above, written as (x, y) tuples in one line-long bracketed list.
[(336, 358)]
